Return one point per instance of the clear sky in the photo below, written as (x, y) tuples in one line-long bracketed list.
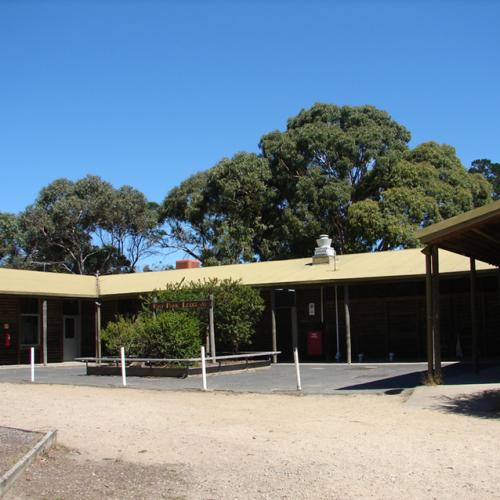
[(148, 92)]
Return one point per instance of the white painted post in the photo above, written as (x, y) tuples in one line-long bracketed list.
[(124, 374), (203, 368), (297, 368), (32, 361)]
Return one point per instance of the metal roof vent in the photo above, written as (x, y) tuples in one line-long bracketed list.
[(324, 253)]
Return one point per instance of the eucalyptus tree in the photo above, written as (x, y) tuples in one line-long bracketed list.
[(490, 171), (88, 226), (347, 171), (218, 215)]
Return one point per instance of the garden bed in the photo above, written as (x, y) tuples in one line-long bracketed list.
[(143, 370)]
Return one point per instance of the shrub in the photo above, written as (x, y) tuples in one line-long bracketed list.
[(172, 334), (238, 308), (124, 332)]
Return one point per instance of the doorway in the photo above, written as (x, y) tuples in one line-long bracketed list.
[(71, 330), (286, 323)]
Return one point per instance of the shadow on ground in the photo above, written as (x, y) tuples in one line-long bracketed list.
[(484, 404), (453, 374), (406, 381)]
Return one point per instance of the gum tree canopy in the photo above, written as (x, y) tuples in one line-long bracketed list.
[(343, 170), (86, 226)]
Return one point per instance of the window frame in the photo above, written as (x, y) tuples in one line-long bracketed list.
[(21, 333)]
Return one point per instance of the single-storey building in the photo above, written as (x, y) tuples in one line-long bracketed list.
[(367, 306)]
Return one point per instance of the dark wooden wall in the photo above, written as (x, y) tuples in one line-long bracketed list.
[(391, 317), (385, 317), (10, 312)]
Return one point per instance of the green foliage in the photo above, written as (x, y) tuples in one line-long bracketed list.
[(342, 170), (427, 185), (178, 334), (237, 308), (123, 332), (490, 171), (171, 334), (216, 216), (10, 240), (88, 226)]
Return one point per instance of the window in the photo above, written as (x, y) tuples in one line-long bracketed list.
[(69, 328), (29, 329)]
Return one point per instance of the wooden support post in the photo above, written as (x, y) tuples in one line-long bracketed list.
[(435, 315), (347, 323), (98, 332), (322, 306), (428, 307), (44, 331), (273, 326), (473, 313), (337, 332)]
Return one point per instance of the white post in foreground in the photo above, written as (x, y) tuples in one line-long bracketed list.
[(32, 361), (203, 368), (297, 367), (124, 374)]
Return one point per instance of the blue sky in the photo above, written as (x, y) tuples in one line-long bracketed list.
[(148, 92)]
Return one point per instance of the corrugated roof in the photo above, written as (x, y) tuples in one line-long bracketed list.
[(13, 281), (353, 267), (362, 266)]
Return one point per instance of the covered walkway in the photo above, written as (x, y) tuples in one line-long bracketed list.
[(474, 234)]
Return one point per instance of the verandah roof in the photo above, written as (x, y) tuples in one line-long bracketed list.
[(474, 234)]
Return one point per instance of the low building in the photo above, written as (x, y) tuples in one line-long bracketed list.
[(367, 306)]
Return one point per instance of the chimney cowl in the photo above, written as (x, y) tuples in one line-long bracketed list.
[(324, 253)]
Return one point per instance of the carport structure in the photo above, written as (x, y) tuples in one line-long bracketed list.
[(474, 234)]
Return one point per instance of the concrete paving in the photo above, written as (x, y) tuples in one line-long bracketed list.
[(389, 378), (316, 378)]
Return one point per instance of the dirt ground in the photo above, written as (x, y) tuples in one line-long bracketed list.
[(14, 443), (222, 445), (62, 473)]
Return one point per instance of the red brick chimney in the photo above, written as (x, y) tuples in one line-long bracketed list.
[(187, 264)]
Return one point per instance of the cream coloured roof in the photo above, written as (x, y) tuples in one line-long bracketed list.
[(13, 281), (361, 266), (353, 267)]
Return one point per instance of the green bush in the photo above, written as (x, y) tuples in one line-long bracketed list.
[(238, 308), (124, 332), (171, 334)]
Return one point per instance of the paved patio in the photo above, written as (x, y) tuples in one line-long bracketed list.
[(316, 378)]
